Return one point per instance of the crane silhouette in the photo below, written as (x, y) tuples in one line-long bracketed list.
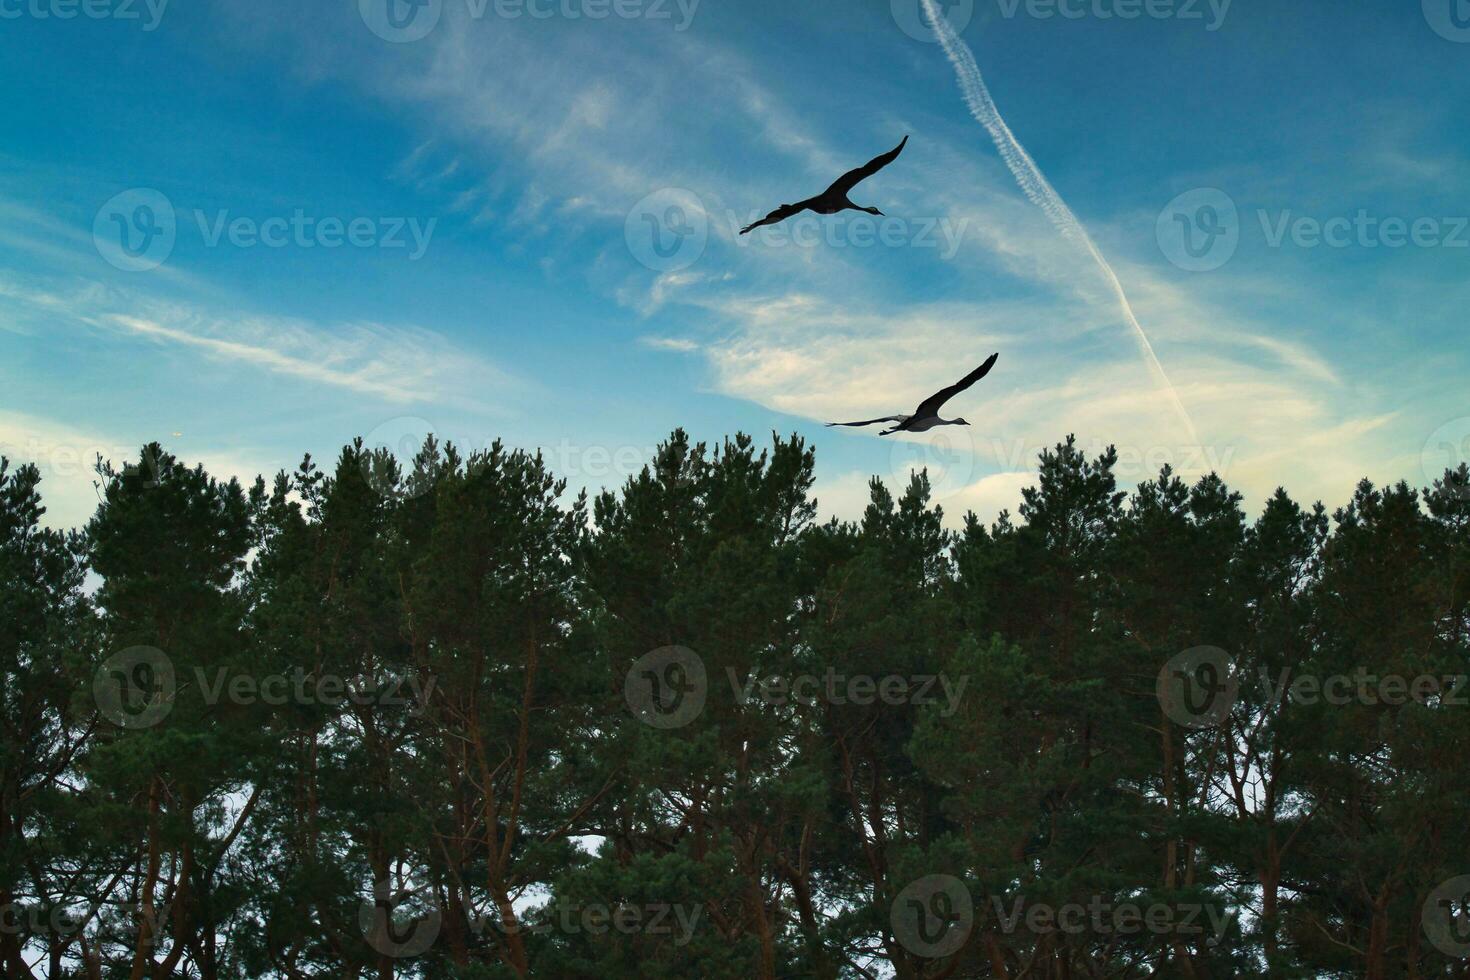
[(926, 416), (834, 198)]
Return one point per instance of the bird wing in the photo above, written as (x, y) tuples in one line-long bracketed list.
[(931, 405), (850, 179), (780, 214), (886, 418)]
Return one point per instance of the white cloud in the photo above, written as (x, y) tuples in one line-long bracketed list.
[(399, 364), (679, 345), (65, 455), (1282, 420)]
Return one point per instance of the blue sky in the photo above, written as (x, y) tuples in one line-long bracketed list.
[(503, 174)]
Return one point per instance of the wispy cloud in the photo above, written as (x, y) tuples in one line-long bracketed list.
[(1269, 420), (679, 345), (398, 364)]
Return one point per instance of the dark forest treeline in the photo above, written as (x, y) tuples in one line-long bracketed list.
[(451, 722)]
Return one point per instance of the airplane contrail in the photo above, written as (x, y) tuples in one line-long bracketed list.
[(1038, 189)]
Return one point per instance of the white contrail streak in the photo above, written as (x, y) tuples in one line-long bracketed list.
[(1039, 190)]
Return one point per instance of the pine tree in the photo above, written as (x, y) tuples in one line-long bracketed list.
[(49, 631), (446, 719)]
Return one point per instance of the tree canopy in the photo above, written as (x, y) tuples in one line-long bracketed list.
[(450, 719)]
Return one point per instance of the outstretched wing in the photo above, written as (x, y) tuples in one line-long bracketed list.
[(780, 214), (886, 418), (850, 179), (931, 405)]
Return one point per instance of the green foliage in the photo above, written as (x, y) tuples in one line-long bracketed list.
[(449, 720)]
